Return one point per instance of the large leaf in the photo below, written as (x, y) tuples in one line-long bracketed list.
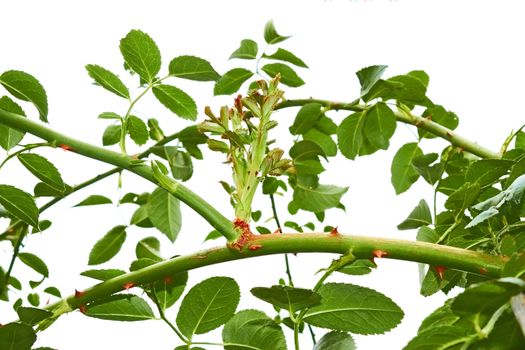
[(350, 135), (169, 289), (35, 263), (369, 76), (141, 54), (252, 329), (288, 76), (403, 172), (419, 216), (355, 309), (287, 56), (231, 81), (319, 198), (26, 88), (108, 246), (31, 315), (288, 298), (335, 341), (9, 138), (137, 130), (193, 68), (42, 169), (306, 118), (16, 336), (247, 50), (176, 101), (306, 149), (270, 34), (120, 307), (164, 213), (94, 199), (208, 305), (380, 125), (19, 204), (108, 80)]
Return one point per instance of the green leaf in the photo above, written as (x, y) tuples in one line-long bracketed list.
[(94, 199), (19, 204), (141, 263), (192, 68), (148, 248), (270, 34), (350, 308), (306, 118), (26, 88), (180, 163), (103, 275), (231, 81), (515, 266), (176, 101), (9, 138), (120, 307), (403, 172), (155, 131), (358, 267), (439, 338), (335, 341), (520, 140), (31, 315), (108, 246), (141, 54), (164, 213), (137, 130), (252, 329), (431, 173), (309, 166), (288, 76), (487, 171), (108, 80), (288, 298), (16, 336), (111, 135), (35, 263), (380, 125), (109, 115), (208, 305), (419, 216), (287, 56), (214, 234), (439, 115), (248, 50), (169, 289), (463, 197), (33, 299), (421, 75), (319, 198), (350, 134), (42, 169), (303, 150), (369, 76), (53, 291), (324, 141)]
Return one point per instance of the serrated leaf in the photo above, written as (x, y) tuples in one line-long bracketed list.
[(231, 81), (288, 298), (19, 204), (369, 76), (141, 54), (252, 329), (94, 199), (108, 80), (208, 305), (31, 315), (287, 56), (169, 289), (288, 76), (324, 141), (350, 135), (34, 262), (111, 135), (335, 341), (137, 130), (247, 50), (164, 213), (42, 169), (9, 137), (403, 172), (26, 88), (176, 101), (108, 246), (103, 275), (270, 34), (16, 336), (319, 198), (140, 217), (380, 125), (419, 216), (306, 118), (120, 307), (438, 338), (192, 68), (350, 308)]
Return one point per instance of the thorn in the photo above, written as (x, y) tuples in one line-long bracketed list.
[(253, 247), (440, 270), (82, 308), (483, 270), (66, 147), (277, 232), (168, 280), (377, 253), (79, 294), (128, 286), (334, 232), (449, 134)]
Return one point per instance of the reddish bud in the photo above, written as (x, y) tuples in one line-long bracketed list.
[(377, 253), (254, 247), (66, 147), (79, 294), (334, 232), (82, 308), (168, 280), (128, 285), (440, 270), (238, 103)]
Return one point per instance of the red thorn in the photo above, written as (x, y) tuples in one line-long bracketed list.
[(128, 286), (254, 247), (168, 280), (377, 253), (449, 134), (334, 232), (66, 147), (440, 270), (277, 232), (483, 270), (79, 294), (82, 308)]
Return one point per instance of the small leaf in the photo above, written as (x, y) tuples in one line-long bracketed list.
[(53, 291), (403, 172), (111, 135), (208, 305), (248, 50), (19, 204), (319, 198), (164, 213), (141, 54), (169, 289), (288, 76), (16, 336), (180, 163), (35, 263), (120, 307), (355, 309), (103, 275), (176, 101), (108, 80), (419, 216), (335, 341), (9, 138), (231, 81), (137, 130), (270, 34), (306, 118), (94, 199), (148, 248), (26, 88), (350, 135), (288, 298), (369, 76), (42, 169), (32, 316), (380, 125), (155, 131), (109, 115), (358, 267), (213, 235), (193, 68), (108, 246), (287, 56), (33, 299)]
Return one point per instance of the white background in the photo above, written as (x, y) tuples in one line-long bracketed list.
[(472, 51)]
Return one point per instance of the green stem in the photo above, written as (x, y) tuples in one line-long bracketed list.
[(124, 128), (277, 222), (165, 319), (21, 234), (206, 210)]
